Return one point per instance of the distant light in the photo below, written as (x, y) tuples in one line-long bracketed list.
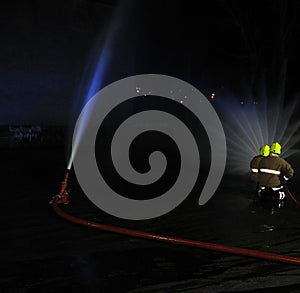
[(181, 101), (242, 102), (212, 96), (185, 97), (255, 102), (138, 89)]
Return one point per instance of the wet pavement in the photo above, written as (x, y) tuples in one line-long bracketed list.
[(41, 252)]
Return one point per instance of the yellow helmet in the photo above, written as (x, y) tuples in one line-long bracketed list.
[(275, 148), (264, 150)]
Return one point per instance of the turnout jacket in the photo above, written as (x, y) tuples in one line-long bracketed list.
[(254, 166), (274, 171)]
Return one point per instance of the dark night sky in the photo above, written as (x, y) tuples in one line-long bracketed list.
[(46, 47)]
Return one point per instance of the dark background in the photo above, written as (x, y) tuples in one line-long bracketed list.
[(48, 53), (49, 50)]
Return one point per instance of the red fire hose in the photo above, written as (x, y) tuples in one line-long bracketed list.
[(180, 241), (291, 196)]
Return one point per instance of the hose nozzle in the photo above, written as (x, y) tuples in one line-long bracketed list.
[(64, 184), (62, 196)]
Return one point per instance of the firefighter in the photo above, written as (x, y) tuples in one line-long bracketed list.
[(264, 151), (272, 175)]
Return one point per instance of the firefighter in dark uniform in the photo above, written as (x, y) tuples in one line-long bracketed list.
[(254, 163), (273, 173), (264, 151)]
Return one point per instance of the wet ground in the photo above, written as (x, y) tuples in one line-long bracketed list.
[(41, 252)]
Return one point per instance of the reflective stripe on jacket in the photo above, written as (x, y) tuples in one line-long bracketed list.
[(254, 164)]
